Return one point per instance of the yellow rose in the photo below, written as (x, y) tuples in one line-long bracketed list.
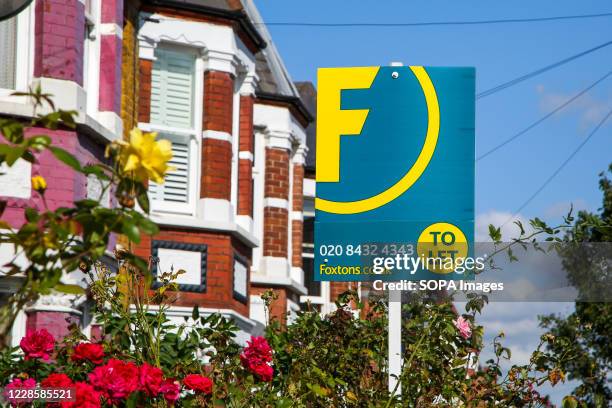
[(145, 157), (39, 183)]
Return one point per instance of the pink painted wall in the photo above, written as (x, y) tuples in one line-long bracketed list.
[(63, 185), (55, 323), (110, 73), (59, 38)]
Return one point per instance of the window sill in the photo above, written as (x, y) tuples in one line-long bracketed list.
[(198, 224), (69, 96)]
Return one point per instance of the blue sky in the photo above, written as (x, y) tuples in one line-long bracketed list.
[(508, 177)]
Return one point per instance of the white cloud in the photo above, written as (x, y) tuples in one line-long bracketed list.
[(591, 110), (502, 219), (561, 208)]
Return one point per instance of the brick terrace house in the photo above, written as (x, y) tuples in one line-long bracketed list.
[(206, 75)]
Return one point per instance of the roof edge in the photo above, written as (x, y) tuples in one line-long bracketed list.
[(238, 16), (291, 101)]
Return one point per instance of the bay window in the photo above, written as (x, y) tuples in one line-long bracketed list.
[(173, 115), (16, 52), (8, 52)]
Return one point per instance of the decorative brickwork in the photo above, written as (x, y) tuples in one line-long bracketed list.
[(220, 264), (216, 169), (218, 101), (59, 33), (144, 94), (130, 67)]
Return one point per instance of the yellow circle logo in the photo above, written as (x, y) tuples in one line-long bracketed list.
[(413, 174), (442, 247)]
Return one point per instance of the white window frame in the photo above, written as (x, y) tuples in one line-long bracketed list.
[(193, 138), (258, 171), (235, 144), (91, 56), (24, 70)]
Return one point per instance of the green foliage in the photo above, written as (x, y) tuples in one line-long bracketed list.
[(56, 241), (584, 335)]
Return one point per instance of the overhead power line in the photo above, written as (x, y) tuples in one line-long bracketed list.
[(522, 78), (565, 162), (543, 118), (437, 23)]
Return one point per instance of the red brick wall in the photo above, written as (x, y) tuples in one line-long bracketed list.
[(245, 166), (58, 45), (144, 94), (277, 174), (245, 187), (297, 226), (297, 232), (278, 308), (216, 169), (247, 139), (298, 187), (275, 232), (338, 288), (218, 101), (220, 267)]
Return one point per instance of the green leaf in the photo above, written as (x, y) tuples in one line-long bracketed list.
[(69, 289), (13, 155), (66, 158), (143, 201), (495, 233), (131, 231), (39, 141), (569, 402), (148, 227), (195, 314)]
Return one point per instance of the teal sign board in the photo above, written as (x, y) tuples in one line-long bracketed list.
[(394, 172)]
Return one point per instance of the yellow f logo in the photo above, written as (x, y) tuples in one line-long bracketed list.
[(332, 121)]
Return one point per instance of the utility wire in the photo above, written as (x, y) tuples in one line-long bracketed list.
[(558, 170), (543, 118), (539, 71), (436, 23)]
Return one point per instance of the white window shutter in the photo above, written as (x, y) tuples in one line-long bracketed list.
[(172, 89), (8, 52), (176, 185)]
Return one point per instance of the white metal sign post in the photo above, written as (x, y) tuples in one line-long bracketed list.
[(395, 330)]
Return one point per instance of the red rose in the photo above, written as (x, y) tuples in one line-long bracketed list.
[(263, 371), (150, 379), (198, 383), (256, 356), (88, 351), (17, 384), (116, 379), (86, 397), (56, 380), (37, 344), (171, 390)]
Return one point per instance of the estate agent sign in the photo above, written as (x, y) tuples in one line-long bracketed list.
[(394, 172)]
